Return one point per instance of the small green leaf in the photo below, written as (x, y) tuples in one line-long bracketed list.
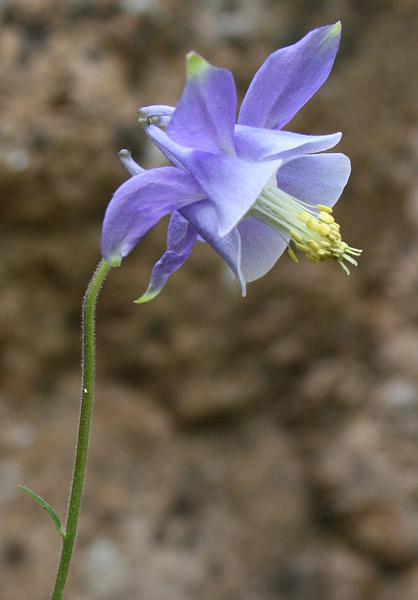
[(48, 509)]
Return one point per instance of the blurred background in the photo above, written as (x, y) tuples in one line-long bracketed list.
[(263, 448)]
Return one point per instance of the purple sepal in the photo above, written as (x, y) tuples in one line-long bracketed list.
[(138, 205), (288, 78), (204, 118), (204, 219), (232, 183), (181, 237), (255, 144)]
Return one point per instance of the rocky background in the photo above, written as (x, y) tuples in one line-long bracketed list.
[(263, 448)]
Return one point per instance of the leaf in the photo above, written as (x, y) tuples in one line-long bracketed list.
[(48, 509)]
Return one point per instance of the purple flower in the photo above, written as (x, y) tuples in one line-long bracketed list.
[(248, 189)]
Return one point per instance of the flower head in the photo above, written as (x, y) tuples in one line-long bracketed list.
[(249, 189)]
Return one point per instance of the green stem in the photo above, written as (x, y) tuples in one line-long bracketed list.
[(87, 389)]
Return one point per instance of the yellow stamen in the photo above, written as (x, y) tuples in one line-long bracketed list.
[(304, 216), (296, 236), (324, 208), (312, 244), (313, 225), (326, 218), (292, 255), (302, 247), (324, 229)]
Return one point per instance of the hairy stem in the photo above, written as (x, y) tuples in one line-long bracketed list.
[(87, 389)]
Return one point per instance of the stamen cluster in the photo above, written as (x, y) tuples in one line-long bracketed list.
[(313, 231), (322, 240)]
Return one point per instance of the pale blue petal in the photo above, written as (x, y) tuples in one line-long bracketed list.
[(260, 248), (288, 78), (316, 179)]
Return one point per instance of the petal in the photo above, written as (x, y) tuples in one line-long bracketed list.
[(181, 237), (203, 217), (128, 162), (138, 205), (255, 143), (158, 114), (316, 179), (231, 184), (205, 115), (176, 154), (260, 248), (288, 78)]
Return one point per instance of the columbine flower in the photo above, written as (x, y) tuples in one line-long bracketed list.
[(248, 189)]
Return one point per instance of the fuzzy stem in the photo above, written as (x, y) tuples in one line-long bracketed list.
[(87, 389)]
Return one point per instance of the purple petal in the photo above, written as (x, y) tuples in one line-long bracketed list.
[(181, 237), (260, 248), (205, 115), (203, 217), (316, 179), (288, 78), (231, 184), (254, 143), (138, 205)]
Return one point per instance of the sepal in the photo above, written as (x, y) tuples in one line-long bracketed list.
[(149, 295), (195, 64)]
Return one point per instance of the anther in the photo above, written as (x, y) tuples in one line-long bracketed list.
[(326, 217), (292, 255), (302, 247), (322, 253), (312, 244), (323, 229), (296, 236), (313, 225), (324, 208), (303, 216)]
